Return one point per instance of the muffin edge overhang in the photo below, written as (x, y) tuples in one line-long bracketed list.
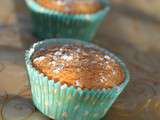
[(30, 52)]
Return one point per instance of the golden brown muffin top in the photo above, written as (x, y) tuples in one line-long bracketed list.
[(71, 6), (78, 65)]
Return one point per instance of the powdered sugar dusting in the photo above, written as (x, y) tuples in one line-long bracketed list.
[(78, 83), (114, 72), (58, 68), (66, 57), (53, 63), (39, 59), (78, 50), (58, 53), (103, 79), (107, 57)]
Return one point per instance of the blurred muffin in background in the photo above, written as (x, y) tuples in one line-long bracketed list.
[(77, 19)]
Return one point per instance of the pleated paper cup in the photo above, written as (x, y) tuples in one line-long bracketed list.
[(49, 23), (62, 102)]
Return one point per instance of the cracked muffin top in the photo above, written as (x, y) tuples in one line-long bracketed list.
[(78, 65)]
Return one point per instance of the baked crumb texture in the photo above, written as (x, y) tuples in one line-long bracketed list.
[(78, 65)]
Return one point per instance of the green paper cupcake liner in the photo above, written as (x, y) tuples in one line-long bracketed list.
[(62, 102), (49, 23)]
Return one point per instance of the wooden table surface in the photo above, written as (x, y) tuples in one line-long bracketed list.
[(131, 30)]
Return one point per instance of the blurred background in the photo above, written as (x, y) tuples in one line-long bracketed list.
[(131, 30)]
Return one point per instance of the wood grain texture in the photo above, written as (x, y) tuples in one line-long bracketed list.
[(130, 31)]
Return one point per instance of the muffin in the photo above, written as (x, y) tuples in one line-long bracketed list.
[(72, 6), (69, 77), (67, 19)]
